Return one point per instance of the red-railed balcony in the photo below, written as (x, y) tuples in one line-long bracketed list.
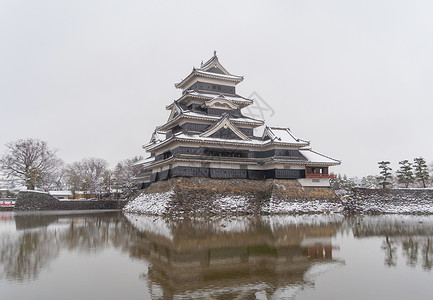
[(312, 175)]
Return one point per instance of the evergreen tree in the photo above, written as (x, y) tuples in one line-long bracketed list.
[(405, 174), (370, 182), (385, 174), (421, 170)]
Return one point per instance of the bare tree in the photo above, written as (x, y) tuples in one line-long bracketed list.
[(123, 176), (90, 175), (74, 177), (29, 161)]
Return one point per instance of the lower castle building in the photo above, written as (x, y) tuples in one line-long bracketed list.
[(206, 135)]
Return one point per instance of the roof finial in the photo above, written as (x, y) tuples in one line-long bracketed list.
[(214, 53), (201, 64)]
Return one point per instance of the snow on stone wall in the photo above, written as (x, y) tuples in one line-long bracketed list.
[(290, 207), (192, 196), (152, 204)]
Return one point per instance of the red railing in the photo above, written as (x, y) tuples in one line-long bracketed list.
[(6, 203), (321, 176)]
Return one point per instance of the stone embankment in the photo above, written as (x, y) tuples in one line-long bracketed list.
[(30, 200), (204, 196), (400, 201)]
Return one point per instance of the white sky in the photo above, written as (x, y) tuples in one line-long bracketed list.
[(92, 78)]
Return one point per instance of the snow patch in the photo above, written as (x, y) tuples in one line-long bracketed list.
[(34, 191), (290, 207), (231, 203), (152, 204)]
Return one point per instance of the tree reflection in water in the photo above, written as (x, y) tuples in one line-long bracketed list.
[(39, 238), (188, 257), (411, 233)]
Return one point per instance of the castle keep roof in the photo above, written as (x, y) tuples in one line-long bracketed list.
[(212, 69), (207, 134)]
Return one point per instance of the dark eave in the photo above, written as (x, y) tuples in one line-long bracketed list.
[(199, 73), (241, 101)]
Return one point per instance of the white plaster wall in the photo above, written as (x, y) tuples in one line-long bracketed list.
[(323, 182)]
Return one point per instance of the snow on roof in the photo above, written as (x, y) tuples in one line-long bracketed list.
[(283, 135), (198, 72), (209, 62), (144, 161), (211, 139), (225, 122), (235, 99), (247, 119), (290, 139), (211, 96), (33, 191), (221, 97), (196, 137), (235, 77), (199, 115), (204, 70), (60, 193), (232, 118), (316, 157), (160, 135)]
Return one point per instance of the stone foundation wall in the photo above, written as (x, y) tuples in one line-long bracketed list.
[(285, 189), (293, 190), (29, 200), (194, 195), (415, 201), (205, 196)]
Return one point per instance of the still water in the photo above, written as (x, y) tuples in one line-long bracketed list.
[(111, 255)]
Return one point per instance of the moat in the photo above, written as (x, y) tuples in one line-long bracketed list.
[(112, 255)]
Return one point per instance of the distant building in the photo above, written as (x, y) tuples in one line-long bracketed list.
[(206, 135), (3, 193)]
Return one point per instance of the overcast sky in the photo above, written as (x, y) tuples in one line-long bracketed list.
[(92, 78)]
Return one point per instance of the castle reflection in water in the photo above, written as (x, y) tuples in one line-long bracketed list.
[(232, 257), (244, 257)]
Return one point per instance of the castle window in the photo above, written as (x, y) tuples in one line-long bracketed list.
[(167, 154)]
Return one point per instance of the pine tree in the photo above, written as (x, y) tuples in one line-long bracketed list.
[(405, 174), (385, 174), (421, 170)]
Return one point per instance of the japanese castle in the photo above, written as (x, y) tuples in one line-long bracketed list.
[(206, 135)]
